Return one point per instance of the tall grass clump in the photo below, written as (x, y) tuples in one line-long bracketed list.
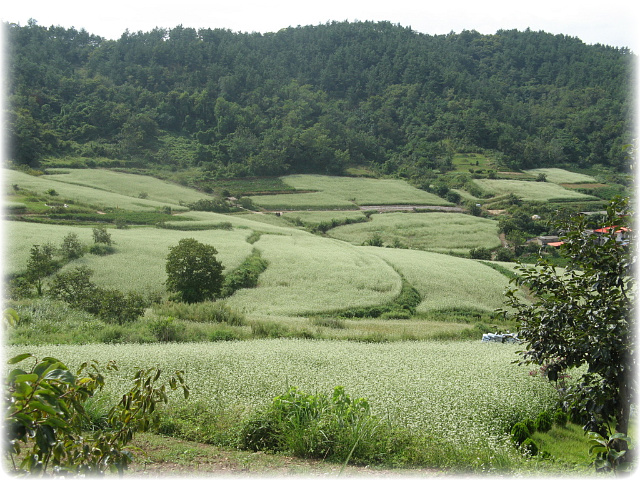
[(203, 312), (336, 428)]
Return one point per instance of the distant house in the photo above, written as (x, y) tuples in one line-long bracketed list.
[(622, 233), (546, 240)]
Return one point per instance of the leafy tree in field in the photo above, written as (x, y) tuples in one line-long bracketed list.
[(584, 317), (193, 271), (40, 265), (71, 247), (76, 288), (101, 235)]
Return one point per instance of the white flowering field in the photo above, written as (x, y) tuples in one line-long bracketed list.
[(467, 392), (531, 191), (344, 193), (307, 273), (433, 231), (446, 282), (99, 198), (560, 175)]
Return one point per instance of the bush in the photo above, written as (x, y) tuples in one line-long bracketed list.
[(480, 253), (561, 418), (530, 446), (164, 329), (374, 241), (223, 335), (101, 249), (336, 428), (530, 425), (519, 433), (101, 235), (504, 255), (544, 421), (71, 247), (245, 276), (205, 312)]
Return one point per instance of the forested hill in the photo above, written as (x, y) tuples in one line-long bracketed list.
[(316, 98)]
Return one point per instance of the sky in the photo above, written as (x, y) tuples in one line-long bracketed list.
[(607, 22)]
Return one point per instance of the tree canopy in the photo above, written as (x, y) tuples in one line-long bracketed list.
[(193, 271), (314, 99), (583, 316)]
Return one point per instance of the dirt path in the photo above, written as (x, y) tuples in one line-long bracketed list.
[(157, 456)]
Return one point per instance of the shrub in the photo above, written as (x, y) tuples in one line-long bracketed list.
[(205, 312), (269, 330), (480, 253), (101, 249), (530, 446), (101, 235), (530, 425), (561, 418), (337, 428), (544, 421), (245, 276), (223, 335), (519, 433), (164, 329), (504, 255), (374, 241), (71, 247)]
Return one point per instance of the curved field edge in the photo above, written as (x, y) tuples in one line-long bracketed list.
[(308, 274), (445, 282)]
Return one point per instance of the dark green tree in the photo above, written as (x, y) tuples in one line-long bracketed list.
[(193, 271), (40, 265), (584, 317), (71, 247), (101, 235)]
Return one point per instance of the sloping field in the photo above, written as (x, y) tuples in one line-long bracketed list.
[(128, 184), (463, 392), (532, 191), (97, 198), (560, 175), (434, 231), (447, 282), (345, 193), (139, 261), (309, 274)]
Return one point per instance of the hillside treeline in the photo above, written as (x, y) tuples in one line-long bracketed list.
[(314, 99)]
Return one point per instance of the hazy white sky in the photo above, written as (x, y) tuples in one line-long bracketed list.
[(608, 22)]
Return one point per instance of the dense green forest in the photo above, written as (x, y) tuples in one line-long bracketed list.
[(315, 99)]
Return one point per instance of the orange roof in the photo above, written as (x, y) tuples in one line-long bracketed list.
[(609, 229)]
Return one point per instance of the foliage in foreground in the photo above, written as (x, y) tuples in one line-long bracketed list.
[(584, 317), (47, 424)]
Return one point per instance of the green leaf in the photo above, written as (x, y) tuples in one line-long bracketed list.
[(19, 358), (27, 377), (62, 375), (41, 406)]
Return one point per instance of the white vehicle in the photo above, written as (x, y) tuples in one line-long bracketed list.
[(500, 337)]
